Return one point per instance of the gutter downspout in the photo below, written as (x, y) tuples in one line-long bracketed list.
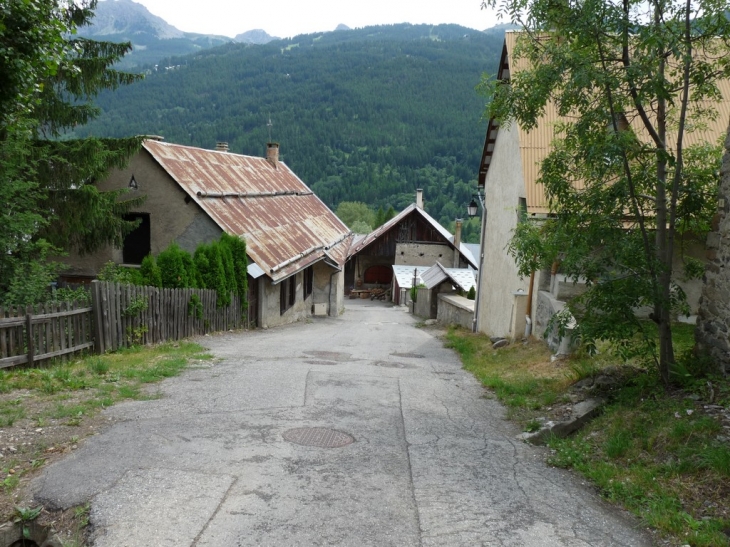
[(528, 311), (475, 321)]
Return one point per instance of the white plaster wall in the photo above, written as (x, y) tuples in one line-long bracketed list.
[(503, 188)]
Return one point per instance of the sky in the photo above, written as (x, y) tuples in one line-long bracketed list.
[(286, 18)]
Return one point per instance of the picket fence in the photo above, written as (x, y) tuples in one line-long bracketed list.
[(119, 316)]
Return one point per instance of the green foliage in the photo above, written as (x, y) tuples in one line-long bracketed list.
[(115, 273), (172, 267), (32, 276), (472, 294), (150, 271), (237, 248), (214, 276), (137, 305), (195, 307), (622, 184), (49, 78), (364, 116), (355, 212)]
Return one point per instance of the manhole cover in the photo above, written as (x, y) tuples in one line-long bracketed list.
[(321, 437), (391, 364), (410, 355)]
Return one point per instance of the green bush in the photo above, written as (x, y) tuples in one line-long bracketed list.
[(221, 265), (150, 271), (120, 274), (237, 247), (172, 267), (472, 294)]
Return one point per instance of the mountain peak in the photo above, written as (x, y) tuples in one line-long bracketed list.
[(254, 36), (342, 27), (128, 17)]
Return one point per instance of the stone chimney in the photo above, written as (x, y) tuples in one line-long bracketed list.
[(272, 153), (419, 198), (221, 146), (457, 242)]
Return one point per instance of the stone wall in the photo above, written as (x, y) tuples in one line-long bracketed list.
[(455, 310), (713, 321)]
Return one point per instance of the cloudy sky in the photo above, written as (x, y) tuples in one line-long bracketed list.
[(285, 18)]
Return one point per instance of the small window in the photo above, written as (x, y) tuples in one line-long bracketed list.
[(137, 244), (308, 281), (287, 294)]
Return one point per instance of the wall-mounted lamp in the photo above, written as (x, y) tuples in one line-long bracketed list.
[(473, 208), (133, 183)]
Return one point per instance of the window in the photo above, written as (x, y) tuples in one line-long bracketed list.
[(308, 281), (287, 294), (137, 244)]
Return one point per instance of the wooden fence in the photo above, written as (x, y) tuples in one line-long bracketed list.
[(120, 316), (38, 333), (126, 315)]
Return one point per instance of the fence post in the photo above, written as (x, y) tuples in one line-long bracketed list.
[(29, 337), (97, 317)]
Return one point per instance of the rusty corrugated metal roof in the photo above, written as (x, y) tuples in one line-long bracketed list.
[(535, 144), (286, 226)]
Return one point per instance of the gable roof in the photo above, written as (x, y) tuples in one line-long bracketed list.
[(536, 144), (359, 243), (404, 275), (437, 274), (286, 226)]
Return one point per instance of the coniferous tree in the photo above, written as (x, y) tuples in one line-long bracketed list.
[(49, 78)]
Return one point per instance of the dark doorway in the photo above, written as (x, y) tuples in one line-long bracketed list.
[(381, 274), (137, 244)]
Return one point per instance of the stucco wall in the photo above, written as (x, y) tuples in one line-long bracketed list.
[(328, 288), (272, 315), (422, 307), (171, 218), (713, 322), (455, 310), (503, 188), (423, 254)]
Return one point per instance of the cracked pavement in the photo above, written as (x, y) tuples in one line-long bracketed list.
[(433, 462)]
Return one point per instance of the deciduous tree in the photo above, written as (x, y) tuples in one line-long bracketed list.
[(633, 82)]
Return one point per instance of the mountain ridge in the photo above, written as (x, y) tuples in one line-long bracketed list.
[(368, 114)]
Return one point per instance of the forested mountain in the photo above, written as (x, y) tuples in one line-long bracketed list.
[(362, 115)]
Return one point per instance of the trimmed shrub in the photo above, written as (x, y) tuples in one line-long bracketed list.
[(472, 294), (172, 267), (150, 272)]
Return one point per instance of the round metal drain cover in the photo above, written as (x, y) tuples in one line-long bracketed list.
[(321, 437)]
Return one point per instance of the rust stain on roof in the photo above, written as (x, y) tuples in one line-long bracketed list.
[(286, 226)]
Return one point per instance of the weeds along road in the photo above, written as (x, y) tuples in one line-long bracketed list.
[(360, 430)]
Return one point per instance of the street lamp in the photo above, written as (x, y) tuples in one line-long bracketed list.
[(473, 208)]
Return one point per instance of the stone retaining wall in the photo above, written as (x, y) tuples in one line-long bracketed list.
[(455, 310), (713, 321)]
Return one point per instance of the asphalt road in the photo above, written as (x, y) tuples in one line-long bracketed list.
[(355, 431)]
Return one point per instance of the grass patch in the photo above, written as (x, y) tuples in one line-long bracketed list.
[(659, 453)]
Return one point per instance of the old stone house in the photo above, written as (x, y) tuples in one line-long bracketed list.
[(508, 175), (296, 246)]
